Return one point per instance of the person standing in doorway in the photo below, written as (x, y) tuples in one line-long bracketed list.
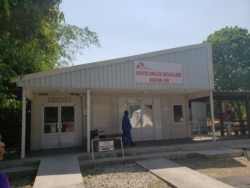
[(126, 128), (4, 181)]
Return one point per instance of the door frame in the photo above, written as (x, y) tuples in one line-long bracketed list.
[(58, 136), (142, 133), (179, 129)]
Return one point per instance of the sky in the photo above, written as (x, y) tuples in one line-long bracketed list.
[(131, 27)]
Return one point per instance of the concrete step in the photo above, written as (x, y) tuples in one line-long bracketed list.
[(142, 149), (228, 148), (21, 171), (212, 153), (19, 168)]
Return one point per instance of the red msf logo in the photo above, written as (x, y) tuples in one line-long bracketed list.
[(140, 65)]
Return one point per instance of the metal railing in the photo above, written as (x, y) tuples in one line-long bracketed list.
[(200, 127)]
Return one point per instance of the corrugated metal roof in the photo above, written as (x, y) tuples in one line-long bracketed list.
[(196, 61)]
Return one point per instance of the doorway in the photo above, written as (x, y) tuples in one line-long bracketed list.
[(58, 126), (141, 118)]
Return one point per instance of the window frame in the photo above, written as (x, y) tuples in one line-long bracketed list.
[(182, 115)]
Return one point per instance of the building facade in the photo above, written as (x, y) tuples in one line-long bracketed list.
[(154, 87)]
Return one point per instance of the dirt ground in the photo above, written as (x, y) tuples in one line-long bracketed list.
[(234, 171), (217, 168), (22, 182)]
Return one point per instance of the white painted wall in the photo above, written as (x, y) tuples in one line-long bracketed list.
[(107, 112), (198, 113), (198, 110)]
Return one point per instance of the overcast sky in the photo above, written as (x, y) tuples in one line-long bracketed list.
[(131, 27)]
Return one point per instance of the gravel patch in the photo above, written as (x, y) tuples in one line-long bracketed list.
[(119, 175)]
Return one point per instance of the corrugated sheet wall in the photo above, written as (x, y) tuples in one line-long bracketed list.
[(121, 75)]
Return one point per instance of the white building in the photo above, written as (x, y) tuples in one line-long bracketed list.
[(154, 87)]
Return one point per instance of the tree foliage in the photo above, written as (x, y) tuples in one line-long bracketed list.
[(34, 37), (231, 58), (5, 5), (71, 39)]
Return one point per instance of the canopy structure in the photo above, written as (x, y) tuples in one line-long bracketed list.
[(232, 95)]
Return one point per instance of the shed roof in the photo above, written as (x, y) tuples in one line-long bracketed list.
[(231, 95), (196, 61), (226, 95)]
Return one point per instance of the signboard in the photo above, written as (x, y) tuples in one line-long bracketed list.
[(59, 99), (106, 145), (157, 72)]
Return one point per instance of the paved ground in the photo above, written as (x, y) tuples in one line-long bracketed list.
[(58, 172), (242, 181), (63, 171), (64, 168), (179, 176)]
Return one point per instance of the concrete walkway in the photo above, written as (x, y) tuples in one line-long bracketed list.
[(59, 171), (179, 176), (63, 170)]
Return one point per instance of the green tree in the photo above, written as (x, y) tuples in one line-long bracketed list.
[(231, 58), (73, 39), (34, 37), (4, 4)]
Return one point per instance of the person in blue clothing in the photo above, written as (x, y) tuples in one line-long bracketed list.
[(126, 128), (4, 181)]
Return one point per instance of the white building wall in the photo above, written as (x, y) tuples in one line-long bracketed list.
[(107, 112), (199, 114), (198, 111), (104, 116), (172, 130), (166, 117), (196, 62), (112, 85)]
